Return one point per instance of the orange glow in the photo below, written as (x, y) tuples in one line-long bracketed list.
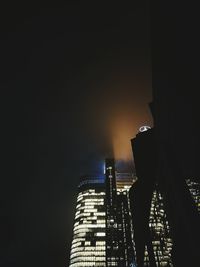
[(123, 130), (121, 108)]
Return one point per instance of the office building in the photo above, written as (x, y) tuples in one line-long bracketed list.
[(89, 234), (103, 233), (120, 246)]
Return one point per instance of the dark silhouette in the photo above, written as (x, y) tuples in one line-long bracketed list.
[(166, 157)]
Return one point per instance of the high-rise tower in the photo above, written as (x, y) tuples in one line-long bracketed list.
[(89, 245), (102, 234), (119, 231), (111, 214)]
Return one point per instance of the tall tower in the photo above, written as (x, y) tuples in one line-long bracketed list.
[(102, 234), (89, 245), (111, 214), (126, 251), (119, 236)]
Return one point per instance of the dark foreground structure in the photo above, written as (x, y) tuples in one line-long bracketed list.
[(166, 156), (176, 140), (165, 206), (152, 236)]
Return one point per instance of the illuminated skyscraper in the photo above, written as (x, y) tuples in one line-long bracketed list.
[(89, 241), (111, 214), (119, 231), (102, 234), (124, 181)]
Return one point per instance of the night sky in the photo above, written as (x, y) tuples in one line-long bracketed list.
[(75, 83)]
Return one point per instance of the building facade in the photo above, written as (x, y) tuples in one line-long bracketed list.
[(89, 234), (119, 234), (103, 232), (124, 181), (161, 240)]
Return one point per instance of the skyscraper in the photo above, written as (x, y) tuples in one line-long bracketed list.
[(89, 234), (111, 214), (102, 234), (124, 181), (119, 236)]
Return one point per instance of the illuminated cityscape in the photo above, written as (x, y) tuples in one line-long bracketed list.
[(100, 145), (103, 231), (121, 219)]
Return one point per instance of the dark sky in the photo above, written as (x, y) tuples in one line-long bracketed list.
[(75, 83)]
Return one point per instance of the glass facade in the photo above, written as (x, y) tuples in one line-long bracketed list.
[(160, 233), (103, 232), (119, 245), (89, 233), (194, 188), (124, 181), (124, 231), (111, 215)]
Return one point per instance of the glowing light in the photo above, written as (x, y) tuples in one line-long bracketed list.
[(144, 128), (100, 234), (123, 129)]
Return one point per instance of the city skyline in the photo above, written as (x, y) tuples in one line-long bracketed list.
[(71, 75), (83, 82)]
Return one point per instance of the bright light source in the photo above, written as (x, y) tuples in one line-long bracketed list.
[(100, 234), (144, 128)]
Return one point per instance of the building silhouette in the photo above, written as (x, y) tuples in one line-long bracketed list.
[(160, 201), (152, 238), (175, 113)]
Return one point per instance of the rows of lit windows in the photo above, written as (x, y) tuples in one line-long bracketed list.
[(88, 246), (86, 226), (88, 264), (159, 227), (77, 241), (87, 214), (88, 258), (86, 254), (97, 248), (112, 263), (124, 181)]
